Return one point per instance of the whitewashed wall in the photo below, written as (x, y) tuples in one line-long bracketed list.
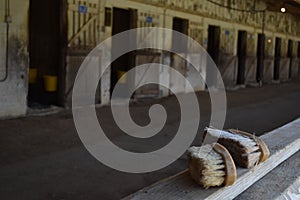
[(13, 92)]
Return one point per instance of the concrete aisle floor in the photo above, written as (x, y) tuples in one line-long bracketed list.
[(43, 157)]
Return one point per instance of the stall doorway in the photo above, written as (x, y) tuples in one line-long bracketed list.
[(46, 43), (260, 57), (277, 59), (181, 25), (123, 20), (298, 55), (242, 54), (177, 62), (290, 56), (213, 49)]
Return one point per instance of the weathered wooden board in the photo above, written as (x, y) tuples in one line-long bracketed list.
[(293, 192), (283, 143), (276, 183)]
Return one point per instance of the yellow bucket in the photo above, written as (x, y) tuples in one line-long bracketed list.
[(122, 77), (50, 83), (32, 75)]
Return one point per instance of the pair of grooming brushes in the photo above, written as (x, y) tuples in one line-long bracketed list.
[(215, 164)]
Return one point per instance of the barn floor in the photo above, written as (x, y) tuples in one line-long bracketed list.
[(43, 157)]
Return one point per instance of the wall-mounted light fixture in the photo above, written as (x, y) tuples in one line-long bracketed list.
[(269, 40), (283, 10)]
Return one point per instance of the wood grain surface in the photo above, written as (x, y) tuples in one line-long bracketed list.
[(282, 142)]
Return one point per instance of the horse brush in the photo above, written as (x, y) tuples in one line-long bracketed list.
[(246, 149), (211, 165)]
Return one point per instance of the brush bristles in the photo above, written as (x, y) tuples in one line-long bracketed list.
[(206, 166), (244, 150), (248, 144)]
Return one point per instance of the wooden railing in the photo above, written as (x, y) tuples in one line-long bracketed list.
[(83, 23)]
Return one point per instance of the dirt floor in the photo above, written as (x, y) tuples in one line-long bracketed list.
[(43, 157)]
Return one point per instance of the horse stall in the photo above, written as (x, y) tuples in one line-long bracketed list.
[(83, 22)]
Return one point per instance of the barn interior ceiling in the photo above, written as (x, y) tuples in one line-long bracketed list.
[(291, 6)]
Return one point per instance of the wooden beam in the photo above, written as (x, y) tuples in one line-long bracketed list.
[(282, 142)]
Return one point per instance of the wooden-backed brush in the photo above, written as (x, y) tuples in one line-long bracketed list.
[(211, 165), (246, 149)]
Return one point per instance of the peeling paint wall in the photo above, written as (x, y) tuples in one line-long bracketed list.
[(13, 91)]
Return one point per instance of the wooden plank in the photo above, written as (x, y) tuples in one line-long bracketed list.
[(70, 24), (76, 26), (293, 192), (282, 142), (94, 32), (95, 27), (85, 18), (81, 25), (266, 188), (73, 24), (89, 31)]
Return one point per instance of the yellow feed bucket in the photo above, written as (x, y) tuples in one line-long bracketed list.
[(122, 77), (50, 83), (32, 75)]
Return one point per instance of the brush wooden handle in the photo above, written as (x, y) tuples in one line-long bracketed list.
[(228, 162), (265, 153)]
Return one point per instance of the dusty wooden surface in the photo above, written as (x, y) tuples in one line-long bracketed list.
[(278, 184), (293, 192), (283, 143)]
